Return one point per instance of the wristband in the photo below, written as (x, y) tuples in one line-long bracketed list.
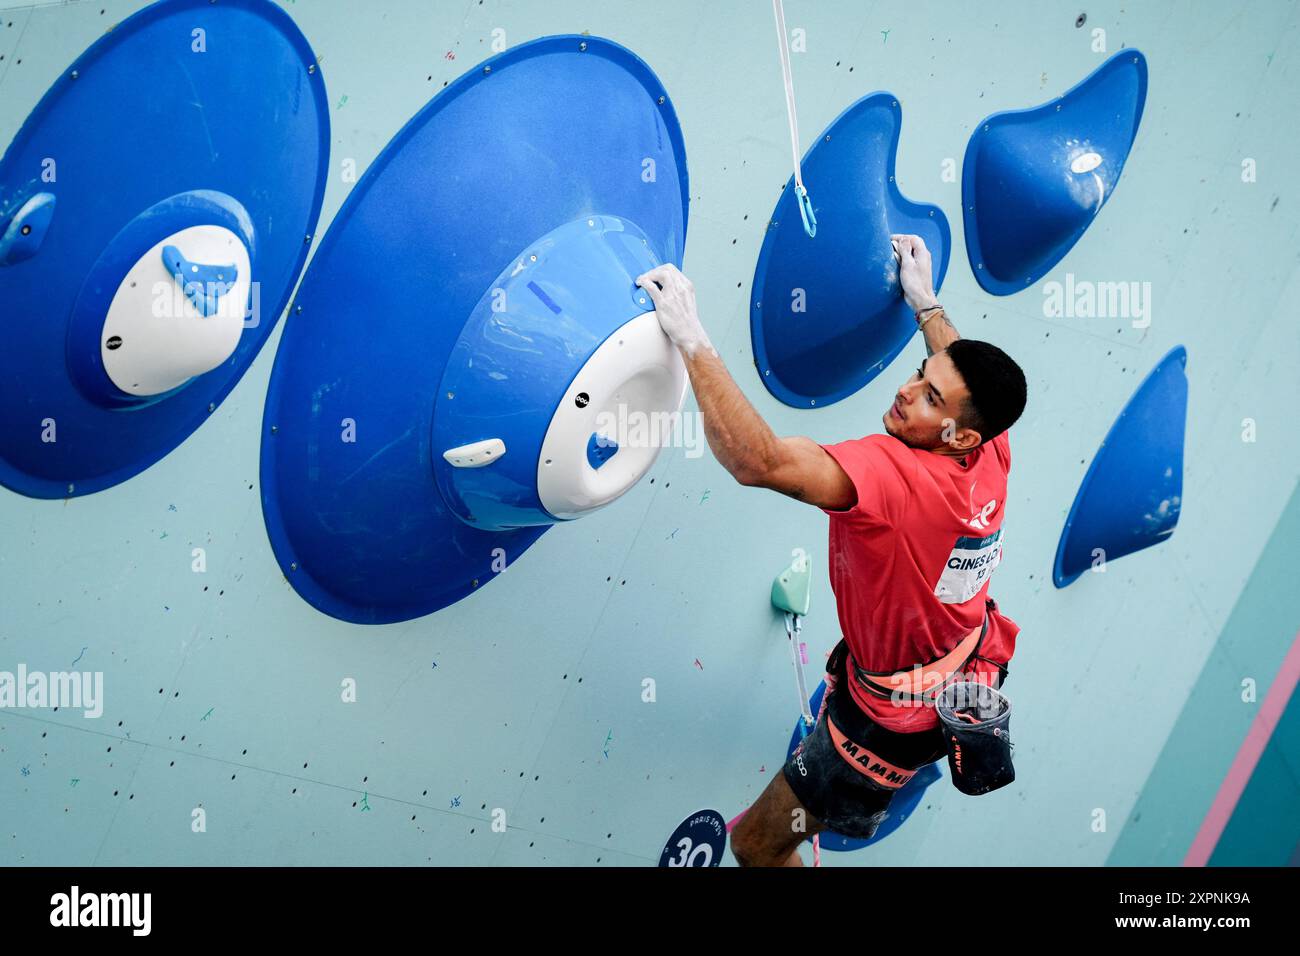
[(920, 322)]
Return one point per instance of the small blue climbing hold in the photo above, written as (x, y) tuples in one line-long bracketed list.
[(600, 449), (204, 285), (22, 236)]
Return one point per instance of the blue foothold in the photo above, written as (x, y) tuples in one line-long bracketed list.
[(22, 235)]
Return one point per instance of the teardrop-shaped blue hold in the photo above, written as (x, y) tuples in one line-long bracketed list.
[(204, 285)]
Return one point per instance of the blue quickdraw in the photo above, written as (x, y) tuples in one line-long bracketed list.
[(806, 210)]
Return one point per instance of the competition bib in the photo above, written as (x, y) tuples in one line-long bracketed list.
[(968, 566)]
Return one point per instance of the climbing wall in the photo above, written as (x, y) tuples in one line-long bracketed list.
[(228, 735)]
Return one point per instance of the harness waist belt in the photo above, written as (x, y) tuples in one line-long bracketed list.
[(922, 681)]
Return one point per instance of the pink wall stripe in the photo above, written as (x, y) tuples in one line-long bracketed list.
[(1234, 784)]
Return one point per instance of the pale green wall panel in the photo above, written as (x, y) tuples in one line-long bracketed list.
[(539, 675)]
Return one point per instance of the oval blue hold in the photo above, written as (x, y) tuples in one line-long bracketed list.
[(559, 299), (85, 361), (827, 314)]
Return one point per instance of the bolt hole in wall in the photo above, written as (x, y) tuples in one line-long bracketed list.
[(456, 429)]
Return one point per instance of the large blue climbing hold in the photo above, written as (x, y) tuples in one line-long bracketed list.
[(1033, 180), (142, 162), (902, 806), (1133, 490), (827, 314), (469, 339)]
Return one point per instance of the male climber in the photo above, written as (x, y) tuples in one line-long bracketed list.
[(915, 532)]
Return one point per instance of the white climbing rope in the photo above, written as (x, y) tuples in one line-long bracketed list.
[(783, 45)]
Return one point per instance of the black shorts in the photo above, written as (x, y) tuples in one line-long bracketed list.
[(846, 771)]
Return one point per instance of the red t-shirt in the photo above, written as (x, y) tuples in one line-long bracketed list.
[(910, 562)]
